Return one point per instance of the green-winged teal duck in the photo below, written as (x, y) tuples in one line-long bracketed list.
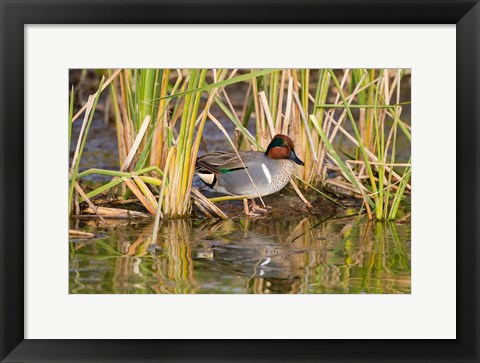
[(270, 171)]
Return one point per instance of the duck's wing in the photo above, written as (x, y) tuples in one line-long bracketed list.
[(219, 162)]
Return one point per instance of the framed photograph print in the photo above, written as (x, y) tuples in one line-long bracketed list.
[(239, 181)]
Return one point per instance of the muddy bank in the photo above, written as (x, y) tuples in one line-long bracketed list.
[(286, 204)]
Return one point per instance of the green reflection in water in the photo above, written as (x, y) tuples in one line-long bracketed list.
[(300, 256)]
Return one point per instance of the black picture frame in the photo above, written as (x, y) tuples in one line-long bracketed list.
[(15, 14)]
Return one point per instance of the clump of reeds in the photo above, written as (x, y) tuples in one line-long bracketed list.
[(159, 121), (160, 115)]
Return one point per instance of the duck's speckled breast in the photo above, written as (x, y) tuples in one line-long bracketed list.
[(269, 175)]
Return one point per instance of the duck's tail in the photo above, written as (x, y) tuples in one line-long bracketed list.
[(206, 171)]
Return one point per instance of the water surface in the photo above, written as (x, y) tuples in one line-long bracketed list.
[(310, 255)]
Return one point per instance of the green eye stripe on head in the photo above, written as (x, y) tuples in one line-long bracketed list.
[(278, 142)]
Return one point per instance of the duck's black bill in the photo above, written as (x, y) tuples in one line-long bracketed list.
[(295, 158)]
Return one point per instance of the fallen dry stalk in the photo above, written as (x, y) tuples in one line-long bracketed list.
[(116, 213), (73, 233), (90, 204)]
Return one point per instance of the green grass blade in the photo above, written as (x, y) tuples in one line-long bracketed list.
[(209, 87), (70, 116), (102, 189), (237, 123)]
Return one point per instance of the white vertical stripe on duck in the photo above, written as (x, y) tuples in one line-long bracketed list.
[(267, 173)]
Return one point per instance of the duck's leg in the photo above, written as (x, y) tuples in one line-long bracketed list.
[(256, 208), (245, 207)]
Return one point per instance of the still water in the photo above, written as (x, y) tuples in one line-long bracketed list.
[(307, 255)]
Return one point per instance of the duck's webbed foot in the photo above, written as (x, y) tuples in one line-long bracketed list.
[(255, 209)]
